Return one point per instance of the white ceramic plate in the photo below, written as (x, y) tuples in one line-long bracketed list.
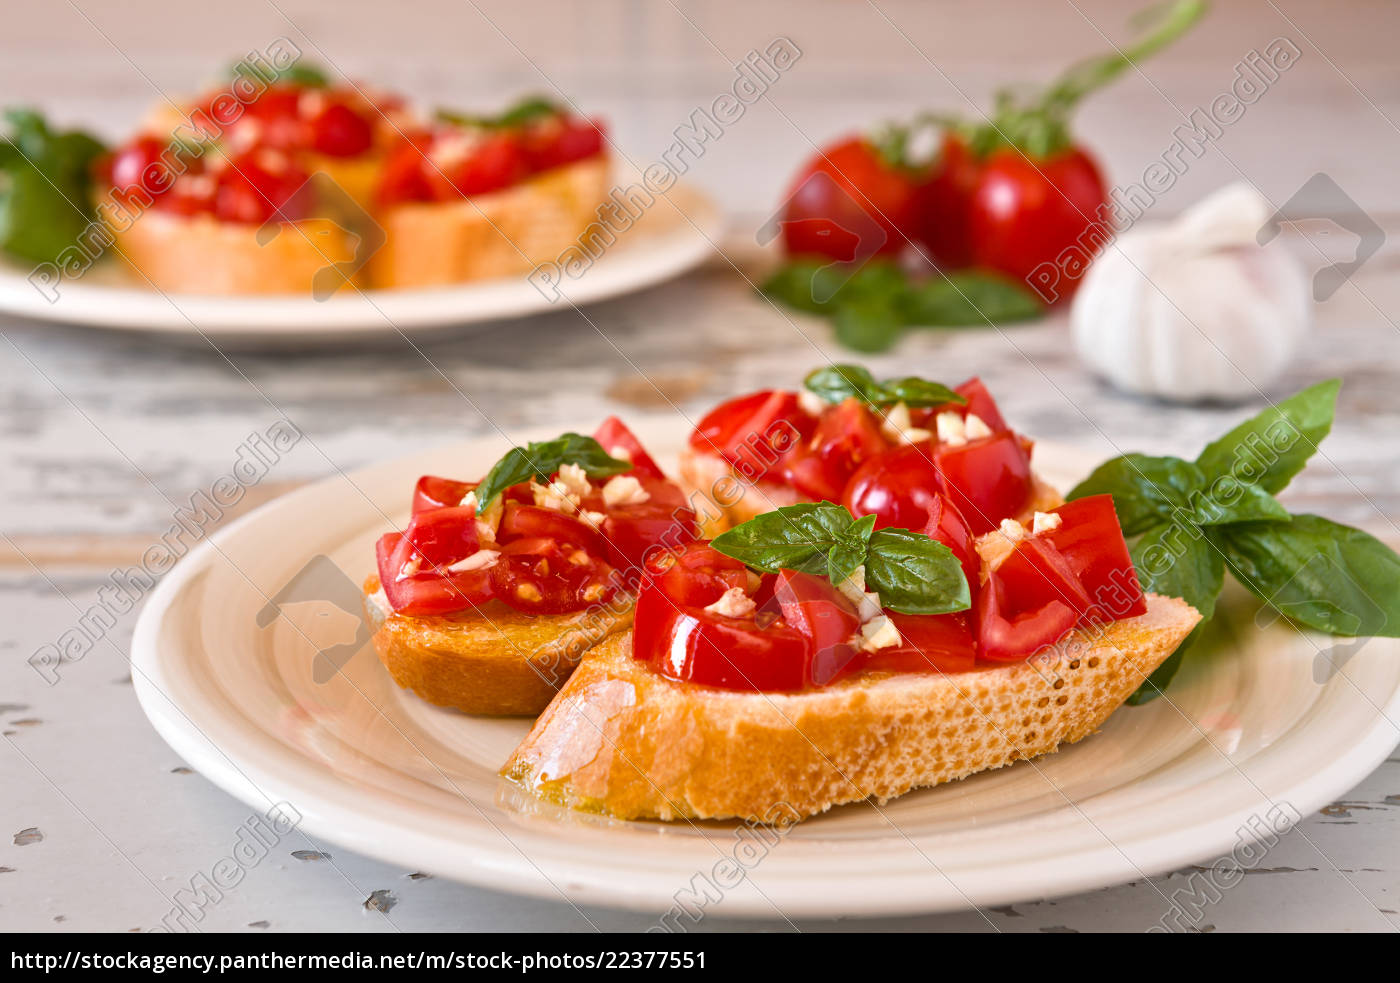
[(378, 771), (676, 234)]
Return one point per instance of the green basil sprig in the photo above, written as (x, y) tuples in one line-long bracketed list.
[(871, 305), (1195, 519), (913, 574), (46, 199), (835, 383), (527, 110), (297, 73), (542, 458)]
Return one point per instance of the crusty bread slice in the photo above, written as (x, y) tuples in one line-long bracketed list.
[(424, 245), (201, 255), (504, 233), (622, 740), (495, 661), (733, 499)]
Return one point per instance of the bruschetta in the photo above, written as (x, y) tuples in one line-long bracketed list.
[(746, 684), (877, 447), (495, 590), (307, 187)]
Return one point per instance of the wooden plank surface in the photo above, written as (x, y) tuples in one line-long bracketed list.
[(104, 436)]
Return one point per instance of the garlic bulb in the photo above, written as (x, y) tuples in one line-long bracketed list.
[(1195, 309)]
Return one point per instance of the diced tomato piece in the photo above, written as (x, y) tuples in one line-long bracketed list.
[(981, 405), (619, 441), (988, 480), (847, 436), (931, 643), (414, 566), (259, 186), (543, 576), (495, 161), (405, 176), (562, 140), (822, 615), (697, 646), (439, 493), (1005, 638), (339, 131), (1091, 539), (631, 531), (898, 487), (754, 432), (535, 522), (1034, 574), (946, 524)]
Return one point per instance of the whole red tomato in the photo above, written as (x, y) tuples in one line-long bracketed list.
[(849, 203), (941, 214), (1012, 212), (1027, 213)]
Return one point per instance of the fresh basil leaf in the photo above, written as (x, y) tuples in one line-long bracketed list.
[(807, 285), (1325, 575), (836, 383), (867, 325), (1146, 490), (795, 537), (542, 458), (1230, 500), (969, 299), (46, 200), (851, 550), (915, 574), (1180, 562), (297, 73), (527, 110), (915, 392), (1272, 447)]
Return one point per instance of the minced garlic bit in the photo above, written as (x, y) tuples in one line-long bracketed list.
[(479, 560), (574, 478), (733, 603), (410, 567), (899, 428), (594, 519), (879, 633), (853, 589), (974, 428), (528, 592), (1045, 522), (555, 495), (620, 452), (952, 429), (1013, 530), (625, 489), (486, 522), (811, 403)]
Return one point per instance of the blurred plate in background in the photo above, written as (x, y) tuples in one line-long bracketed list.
[(676, 234)]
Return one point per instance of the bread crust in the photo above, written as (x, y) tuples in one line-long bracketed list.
[(504, 233), (201, 255), (425, 243), (495, 661), (733, 499), (622, 740)]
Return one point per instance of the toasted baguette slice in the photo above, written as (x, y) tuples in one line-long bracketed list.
[(504, 233), (622, 740), (497, 661), (201, 255), (733, 499)]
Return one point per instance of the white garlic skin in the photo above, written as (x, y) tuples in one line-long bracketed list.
[(1194, 310)]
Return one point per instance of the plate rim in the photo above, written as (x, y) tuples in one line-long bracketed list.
[(370, 313), (581, 882)]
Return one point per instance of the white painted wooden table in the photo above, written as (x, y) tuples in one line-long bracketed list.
[(100, 823)]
